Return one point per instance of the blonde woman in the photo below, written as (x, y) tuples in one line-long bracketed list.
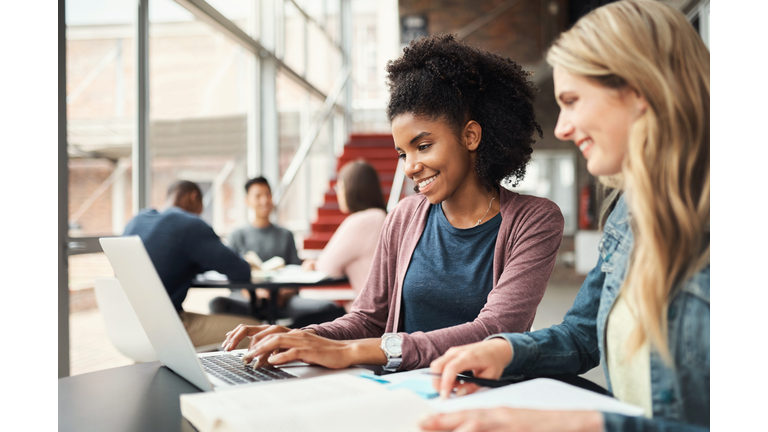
[(632, 81)]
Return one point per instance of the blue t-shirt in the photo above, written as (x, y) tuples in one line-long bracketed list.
[(450, 275)]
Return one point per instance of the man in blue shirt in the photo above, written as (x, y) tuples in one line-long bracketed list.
[(181, 245)]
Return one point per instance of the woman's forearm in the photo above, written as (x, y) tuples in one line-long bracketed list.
[(367, 352)]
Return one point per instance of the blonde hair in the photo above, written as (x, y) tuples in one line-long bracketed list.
[(650, 48)]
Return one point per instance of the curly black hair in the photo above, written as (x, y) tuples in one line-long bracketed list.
[(441, 77)]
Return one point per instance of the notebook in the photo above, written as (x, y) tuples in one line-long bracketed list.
[(165, 331)]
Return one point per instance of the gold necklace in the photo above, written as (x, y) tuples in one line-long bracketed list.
[(486, 212)]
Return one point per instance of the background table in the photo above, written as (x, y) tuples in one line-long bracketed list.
[(268, 284), (145, 398)]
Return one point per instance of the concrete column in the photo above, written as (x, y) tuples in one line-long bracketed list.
[(346, 48), (142, 190), (118, 199), (63, 214), (268, 95), (253, 110)]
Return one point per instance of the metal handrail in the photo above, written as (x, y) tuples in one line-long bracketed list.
[(311, 136), (397, 186)]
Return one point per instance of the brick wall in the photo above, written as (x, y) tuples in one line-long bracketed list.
[(523, 33)]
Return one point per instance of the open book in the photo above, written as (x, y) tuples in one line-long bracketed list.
[(333, 403), (349, 403), (256, 263)]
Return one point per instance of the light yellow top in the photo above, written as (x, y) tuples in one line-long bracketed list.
[(630, 377)]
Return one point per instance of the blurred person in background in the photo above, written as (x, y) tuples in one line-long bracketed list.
[(181, 245), (261, 236), (268, 240), (350, 250), (632, 82)]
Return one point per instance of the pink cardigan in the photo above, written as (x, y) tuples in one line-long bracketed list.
[(350, 251), (529, 237)]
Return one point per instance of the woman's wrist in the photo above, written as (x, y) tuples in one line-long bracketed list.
[(591, 421), (367, 352)]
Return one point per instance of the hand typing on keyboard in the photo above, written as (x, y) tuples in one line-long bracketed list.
[(279, 345), (230, 368)]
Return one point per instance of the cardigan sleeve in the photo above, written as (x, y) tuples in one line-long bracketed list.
[(528, 259)]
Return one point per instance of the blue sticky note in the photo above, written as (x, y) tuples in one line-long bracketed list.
[(421, 387), (374, 378)]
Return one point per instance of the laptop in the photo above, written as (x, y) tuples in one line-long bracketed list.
[(153, 307)]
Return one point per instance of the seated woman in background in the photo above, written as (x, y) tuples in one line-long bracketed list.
[(462, 259), (632, 81), (350, 251)]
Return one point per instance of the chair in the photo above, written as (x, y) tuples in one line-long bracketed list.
[(123, 327)]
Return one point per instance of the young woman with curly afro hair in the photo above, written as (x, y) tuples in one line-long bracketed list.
[(462, 259)]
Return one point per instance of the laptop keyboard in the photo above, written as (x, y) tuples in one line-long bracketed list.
[(230, 368)]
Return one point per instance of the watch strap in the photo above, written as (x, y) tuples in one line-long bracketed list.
[(393, 363)]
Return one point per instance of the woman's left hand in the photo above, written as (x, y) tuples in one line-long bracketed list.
[(511, 419), (302, 346)]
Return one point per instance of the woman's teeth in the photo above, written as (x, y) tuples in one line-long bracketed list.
[(427, 181), (585, 144)]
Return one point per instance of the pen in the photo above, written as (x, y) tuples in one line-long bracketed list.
[(479, 381)]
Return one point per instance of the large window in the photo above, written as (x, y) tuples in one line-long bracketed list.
[(200, 91), (231, 94), (100, 114), (551, 174)]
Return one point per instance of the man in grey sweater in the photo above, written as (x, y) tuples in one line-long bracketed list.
[(268, 240), (262, 236)]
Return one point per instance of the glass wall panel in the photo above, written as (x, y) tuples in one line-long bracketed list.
[(199, 95), (100, 115), (101, 103), (551, 174), (324, 59), (295, 37), (239, 12), (333, 20), (297, 112)]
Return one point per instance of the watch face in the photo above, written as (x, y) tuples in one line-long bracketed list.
[(393, 345)]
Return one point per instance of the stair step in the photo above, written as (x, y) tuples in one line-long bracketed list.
[(319, 236), (380, 165), (329, 209), (368, 153), (315, 244), (320, 227), (386, 185), (330, 219), (371, 140), (317, 240), (330, 195)]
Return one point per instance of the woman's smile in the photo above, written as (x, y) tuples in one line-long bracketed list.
[(425, 185), (585, 145)]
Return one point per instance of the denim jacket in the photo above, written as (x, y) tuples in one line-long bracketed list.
[(680, 394)]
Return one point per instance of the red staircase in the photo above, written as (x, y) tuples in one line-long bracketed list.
[(379, 151)]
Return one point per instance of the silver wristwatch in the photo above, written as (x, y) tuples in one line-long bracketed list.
[(392, 345)]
